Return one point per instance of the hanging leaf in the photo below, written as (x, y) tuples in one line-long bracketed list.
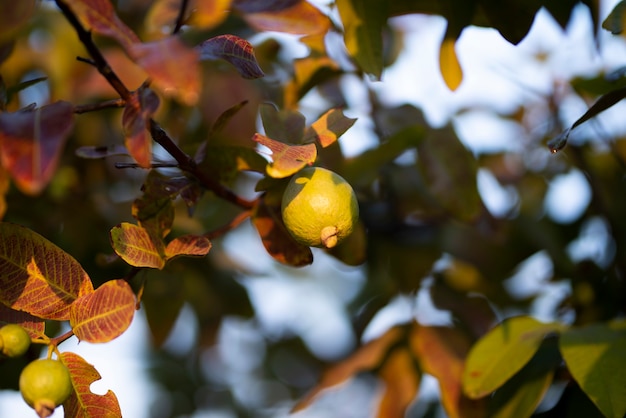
[(363, 22), (287, 159), (233, 49), (188, 245), (137, 246), (595, 357), (31, 265), (366, 358), (31, 143), (100, 17), (328, 128), (172, 66), (502, 352), (402, 381), (275, 237), (33, 325), (449, 63), (162, 299), (83, 403), (291, 16), (104, 314), (140, 106), (441, 352)]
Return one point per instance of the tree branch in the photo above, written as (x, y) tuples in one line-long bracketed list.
[(180, 19), (113, 103)]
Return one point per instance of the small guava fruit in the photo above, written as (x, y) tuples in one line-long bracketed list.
[(45, 384), (14, 340), (319, 207)]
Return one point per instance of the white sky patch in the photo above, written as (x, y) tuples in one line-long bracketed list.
[(499, 200), (567, 197)]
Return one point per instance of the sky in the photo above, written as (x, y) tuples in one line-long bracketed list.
[(498, 76)]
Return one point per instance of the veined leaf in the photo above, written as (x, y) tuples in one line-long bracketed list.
[(366, 358), (502, 352), (31, 142), (104, 314), (38, 277), (233, 49), (188, 245), (287, 159), (83, 403), (137, 246), (328, 128), (140, 107), (595, 357), (33, 325)]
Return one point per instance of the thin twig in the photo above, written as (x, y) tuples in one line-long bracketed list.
[(180, 19), (113, 103)]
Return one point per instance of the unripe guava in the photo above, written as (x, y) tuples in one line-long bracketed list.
[(319, 207), (14, 340), (45, 384)]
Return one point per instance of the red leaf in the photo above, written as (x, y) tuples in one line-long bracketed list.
[(172, 66), (82, 403), (38, 277), (233, 49), (140, 106), (188, 245), (287, 159), (329, 127), (137, 246), (276, 239), (33, 325), (289, 16), (31, 142), (100, 17), (105, 314)]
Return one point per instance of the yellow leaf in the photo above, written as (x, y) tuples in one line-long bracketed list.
[(449, 64)]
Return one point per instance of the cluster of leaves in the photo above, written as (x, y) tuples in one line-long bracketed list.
[(413, 215)]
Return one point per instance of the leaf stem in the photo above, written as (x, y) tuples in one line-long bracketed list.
[(54, 342), (113, 103)]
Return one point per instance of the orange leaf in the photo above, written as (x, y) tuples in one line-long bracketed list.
[(189, 245), (31, 142), (402, 382), (105, 314), (441, 352), (298, 17), (233, 49), (33, 325), (276, 239), (208, 14), (287, 159), (140, 106), (367, 357), (172, 66), (82, 403), (100, 17), (38, 277), (137, 246), (329, 127), (449, 64)]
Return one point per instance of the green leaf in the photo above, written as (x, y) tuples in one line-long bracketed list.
[(225, 162), (137, 246), (520, 396), (363, 22), (502, 352), (614, 22), (283, 125), (595, 356)]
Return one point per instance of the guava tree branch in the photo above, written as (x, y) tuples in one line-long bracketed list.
[(185, 162)]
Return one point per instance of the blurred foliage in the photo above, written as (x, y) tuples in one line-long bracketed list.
[(425, 229)]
